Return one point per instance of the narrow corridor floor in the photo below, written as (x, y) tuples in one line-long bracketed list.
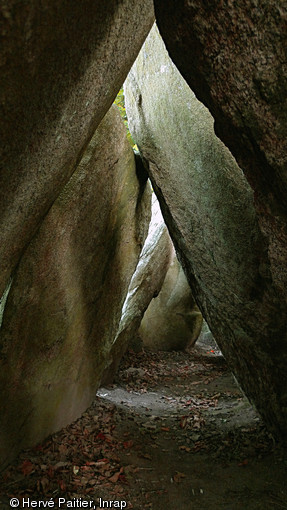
[(173, 432)]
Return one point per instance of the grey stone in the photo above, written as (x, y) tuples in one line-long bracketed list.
[(172, 321), (64, 306), (234, 59), (209, 209), (62, 64), (145, 284)]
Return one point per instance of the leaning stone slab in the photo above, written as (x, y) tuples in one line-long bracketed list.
[(65, 301), (146, 283), (61, 65), (209, 210)]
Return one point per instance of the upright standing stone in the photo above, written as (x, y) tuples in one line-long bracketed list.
[(172, 321)]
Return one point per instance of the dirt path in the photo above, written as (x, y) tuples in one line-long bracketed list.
[(174, 432)]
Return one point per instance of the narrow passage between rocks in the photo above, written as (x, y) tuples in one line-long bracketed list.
[(174, 431)]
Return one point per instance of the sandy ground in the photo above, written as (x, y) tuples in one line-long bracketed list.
[(173, 432)]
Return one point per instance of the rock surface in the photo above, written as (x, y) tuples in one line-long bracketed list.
[(208, 207), (64, 306), (234, 58), (61, 64), (146, 283), (172, 320)]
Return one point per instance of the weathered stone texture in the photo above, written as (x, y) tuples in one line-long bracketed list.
[(61, 64), (208, 207), (65, 302), (172, 321), (234, 57), (146, 283)]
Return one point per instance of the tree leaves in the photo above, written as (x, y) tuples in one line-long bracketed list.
[(120, 102)]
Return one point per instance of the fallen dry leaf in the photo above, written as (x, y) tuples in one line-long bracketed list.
[(62, 485), (146, 456), (178, 477), (116, 476), (243, 463), (185, 448), (183, 422), (27, 467), (128, 444)]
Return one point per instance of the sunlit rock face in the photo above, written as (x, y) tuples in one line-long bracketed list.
[(64, 306), (159, 311), (146, 283), (61, 64), (208, 206)]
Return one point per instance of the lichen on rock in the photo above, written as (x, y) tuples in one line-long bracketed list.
[(208, 206), (65, 301)]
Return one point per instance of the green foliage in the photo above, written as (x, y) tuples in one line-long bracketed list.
[(120, 102)]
